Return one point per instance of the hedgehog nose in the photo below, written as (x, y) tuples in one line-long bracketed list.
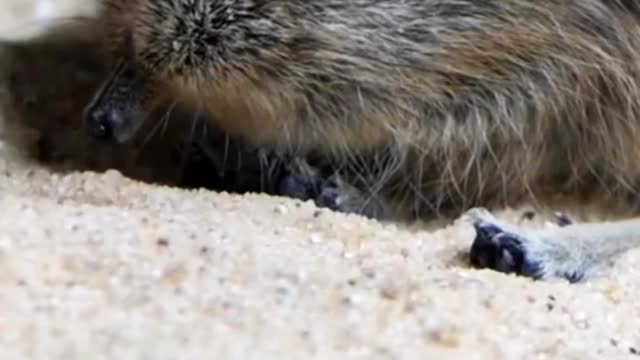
[(100, 123)]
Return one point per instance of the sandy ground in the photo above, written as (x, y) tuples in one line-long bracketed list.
[(97, 266)]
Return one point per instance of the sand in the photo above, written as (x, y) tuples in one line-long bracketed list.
[(99, 266)]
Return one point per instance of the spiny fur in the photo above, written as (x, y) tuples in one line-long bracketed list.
[(431, 103)]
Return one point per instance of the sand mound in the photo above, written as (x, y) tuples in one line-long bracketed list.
[(97, 266)]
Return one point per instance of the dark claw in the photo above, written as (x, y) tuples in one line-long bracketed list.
[(575, 276), (328, 198), (310, 183), (310, 186), (502, 251), (298, 187), (562, 219)]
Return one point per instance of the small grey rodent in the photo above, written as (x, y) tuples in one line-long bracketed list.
[(428, 105)]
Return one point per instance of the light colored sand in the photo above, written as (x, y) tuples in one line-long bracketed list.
[(95, 266)]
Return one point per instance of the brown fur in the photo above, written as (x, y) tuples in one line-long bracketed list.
[(431, 103)]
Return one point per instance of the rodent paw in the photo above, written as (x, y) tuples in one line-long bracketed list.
[(498, 248), (507, 249)]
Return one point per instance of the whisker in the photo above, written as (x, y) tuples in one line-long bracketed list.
[(160, 124), (190, 139)]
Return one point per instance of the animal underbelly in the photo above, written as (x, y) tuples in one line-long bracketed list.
[(279, 128)]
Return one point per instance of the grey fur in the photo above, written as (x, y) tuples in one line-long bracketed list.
[(574, 252)]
